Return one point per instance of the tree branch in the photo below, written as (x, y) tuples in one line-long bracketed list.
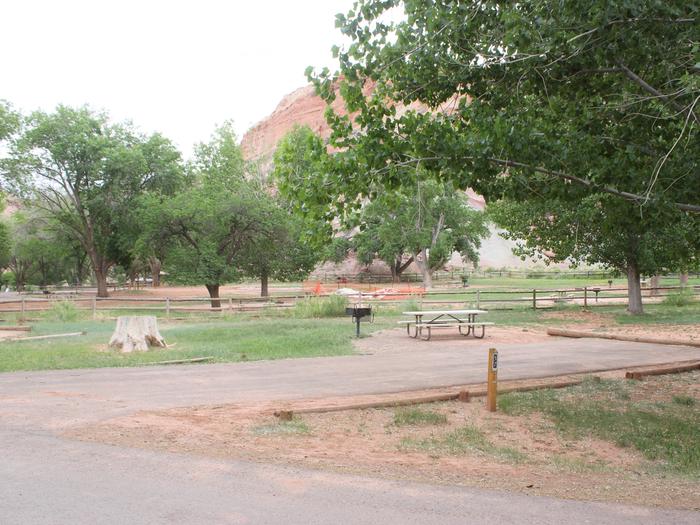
[(586, 182), (693, 208), (651, 89)]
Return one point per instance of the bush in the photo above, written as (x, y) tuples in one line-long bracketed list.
[(64, 311), (683, 297), (312, 307), (411, 305), (7, 279)]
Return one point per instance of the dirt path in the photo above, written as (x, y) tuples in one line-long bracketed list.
[(522, 454)]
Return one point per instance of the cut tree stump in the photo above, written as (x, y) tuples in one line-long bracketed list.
[(136, 333)]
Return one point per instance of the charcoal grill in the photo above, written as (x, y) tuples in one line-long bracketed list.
[(359, 313)]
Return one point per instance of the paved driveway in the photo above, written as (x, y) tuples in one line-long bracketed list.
[(48, 479), (64, 397)]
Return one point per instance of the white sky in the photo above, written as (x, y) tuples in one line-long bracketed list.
[(179, 67)]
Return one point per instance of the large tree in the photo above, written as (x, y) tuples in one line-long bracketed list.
[(203, 233), (557, 101), (40, 253), (206, 230), (304, 174), (86, 173), (277, 251), (599, 230), (422, 224)]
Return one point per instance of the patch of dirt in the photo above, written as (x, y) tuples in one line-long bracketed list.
[(524, 454), (582, 320), (396, 339), (9, 334)]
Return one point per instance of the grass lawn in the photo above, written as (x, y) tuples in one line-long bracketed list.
[(236, 339), (647, 417), (314, 328)]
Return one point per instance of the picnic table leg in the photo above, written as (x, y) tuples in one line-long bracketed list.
[(483, 332)]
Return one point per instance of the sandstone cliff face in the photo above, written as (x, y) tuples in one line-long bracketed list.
[(301, 107), (11, 206)]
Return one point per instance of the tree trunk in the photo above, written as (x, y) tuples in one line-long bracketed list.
[(654, 284), (394, 273), (264, 292), (80, 270), (401, 267), (136, 333), (101, 279), (421, 260), (634, 290), (155, 266), (684, 279), (213, 290)]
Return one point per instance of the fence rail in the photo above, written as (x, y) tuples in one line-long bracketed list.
[(496, 299), (457, 275)]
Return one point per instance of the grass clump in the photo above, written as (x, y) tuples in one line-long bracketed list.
[(417, 416), (294, 427), (684, 297), (685, 401), (461, 441), (64, 311), (315, 307), (668, 432)]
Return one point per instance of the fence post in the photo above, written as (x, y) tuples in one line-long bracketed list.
[(230, 304), (22, 307), (94, 307), (167, 307), (478, 299), (492, 380), (585, 296), (534, 299)]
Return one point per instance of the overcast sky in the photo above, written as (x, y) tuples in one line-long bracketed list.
[(178, 66)]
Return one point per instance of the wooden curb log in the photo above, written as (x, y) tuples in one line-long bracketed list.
[(616, 337), (136, 333), (662, 371)]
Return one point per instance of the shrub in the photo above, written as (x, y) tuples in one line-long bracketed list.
[(64, 311), (312, 307), (683, 297)]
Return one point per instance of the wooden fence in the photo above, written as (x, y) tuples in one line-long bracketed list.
[(492, 298)]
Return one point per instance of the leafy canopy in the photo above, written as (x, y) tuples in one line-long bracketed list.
[(514, 99)]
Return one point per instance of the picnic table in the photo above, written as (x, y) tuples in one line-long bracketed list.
[(427, 320)]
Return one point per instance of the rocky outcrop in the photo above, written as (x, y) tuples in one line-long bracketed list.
[(12, 205), (300, 108)]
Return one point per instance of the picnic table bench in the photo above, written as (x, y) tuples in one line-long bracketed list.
[(427, 320)]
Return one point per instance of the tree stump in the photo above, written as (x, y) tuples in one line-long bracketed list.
[(136, 333)]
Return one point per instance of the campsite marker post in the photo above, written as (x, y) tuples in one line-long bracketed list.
[(492, 380)]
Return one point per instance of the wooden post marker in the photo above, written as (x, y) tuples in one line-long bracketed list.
[(492, 380)]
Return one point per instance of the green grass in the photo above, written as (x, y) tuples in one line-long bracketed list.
[(294, 427), (683, 297), (664, 432), (464, 440), (315, 307), (685, 401), (417, 416), (662, 314), (226, 340)]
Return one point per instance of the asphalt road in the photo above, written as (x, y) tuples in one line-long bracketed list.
[(46, 478)]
